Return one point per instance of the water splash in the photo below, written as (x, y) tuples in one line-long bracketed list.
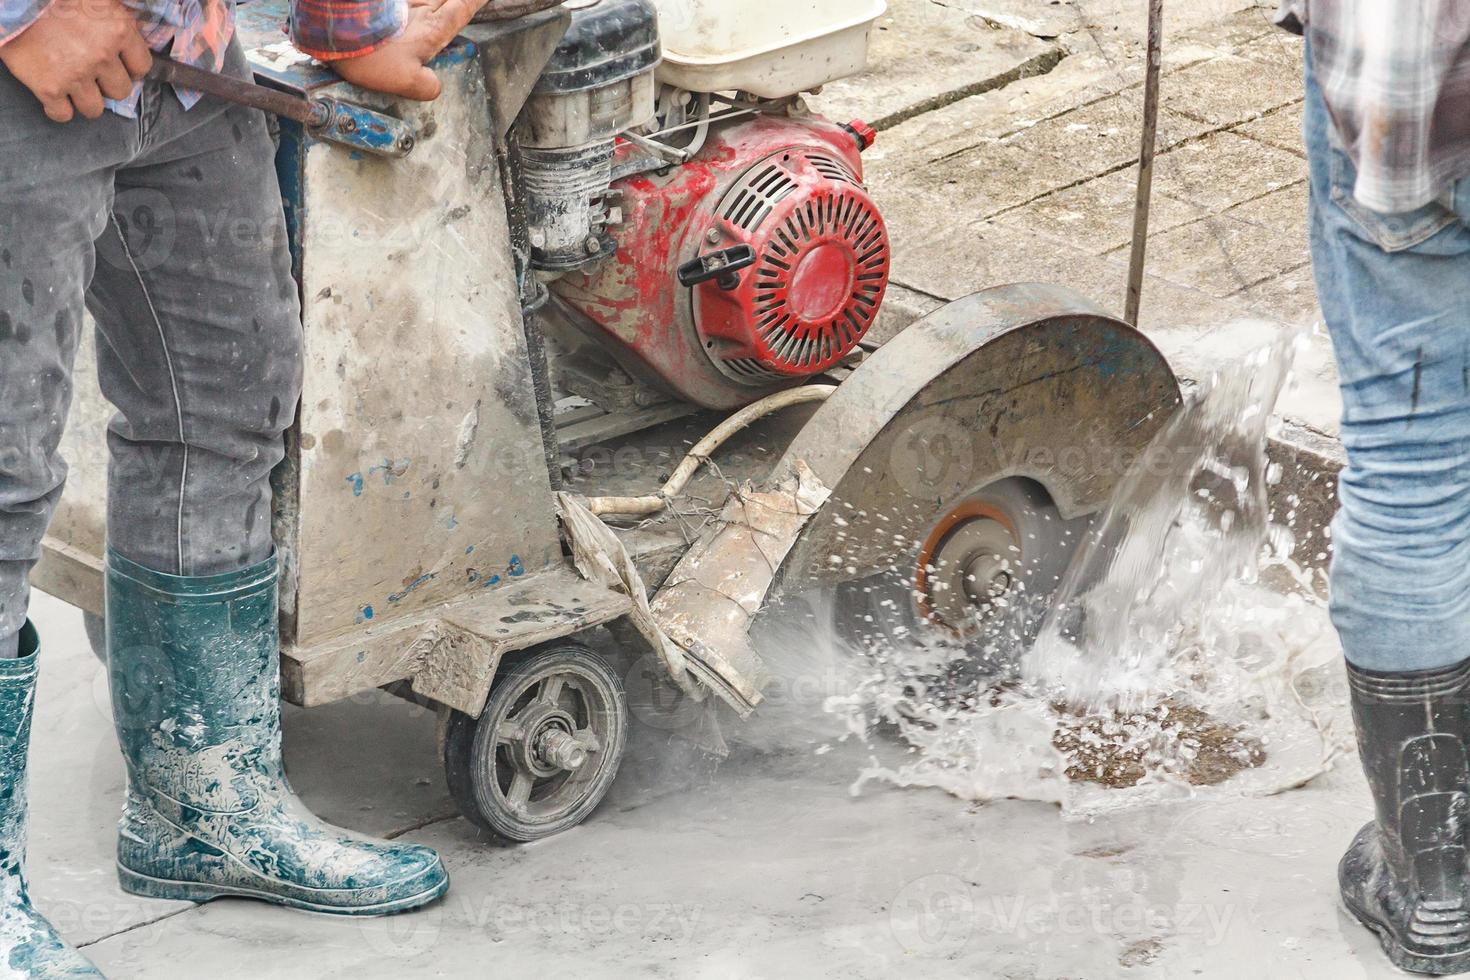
[(1164, 666), (1189, 518)]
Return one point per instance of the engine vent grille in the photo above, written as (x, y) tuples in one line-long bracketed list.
[(820, 275), (756, 196), (851, 221)]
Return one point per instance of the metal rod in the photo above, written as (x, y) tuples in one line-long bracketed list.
[(1146, 160), (238, 91)]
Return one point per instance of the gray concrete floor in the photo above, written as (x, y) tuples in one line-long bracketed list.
[(768, 867)]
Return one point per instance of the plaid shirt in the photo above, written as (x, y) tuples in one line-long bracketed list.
[(1396, 76), (200, 30)]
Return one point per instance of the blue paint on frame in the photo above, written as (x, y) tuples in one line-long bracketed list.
[(416, 583), (356, 481)]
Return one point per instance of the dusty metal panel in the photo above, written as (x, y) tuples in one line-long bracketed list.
[(421, 476), (515, 52)]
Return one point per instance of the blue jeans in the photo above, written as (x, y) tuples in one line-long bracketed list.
[(1395, 291)]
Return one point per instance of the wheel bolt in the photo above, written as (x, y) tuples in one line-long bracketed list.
[(557, 748)]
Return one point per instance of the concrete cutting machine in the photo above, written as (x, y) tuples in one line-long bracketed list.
[(621, 214)]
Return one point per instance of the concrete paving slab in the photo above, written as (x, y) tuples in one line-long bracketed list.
[(1078, 81), (1097, 217), (1227, 24), (1044, 20), (1220, 255), (925, 55), (1225, 169), (1283, 211), (1228, 90), (1290, 297), (969, 187), (1281, 129), (1274, 46), (1103, 136)]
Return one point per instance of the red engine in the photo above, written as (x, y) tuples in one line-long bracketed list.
[(760, 262)]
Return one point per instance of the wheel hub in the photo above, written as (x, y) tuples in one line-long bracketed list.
[(546, 743), (562, 750), (966, 565)]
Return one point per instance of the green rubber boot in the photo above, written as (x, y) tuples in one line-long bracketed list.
[(194, 666), (29, 945)]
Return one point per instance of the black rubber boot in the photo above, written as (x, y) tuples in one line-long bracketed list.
[(1405, 876)]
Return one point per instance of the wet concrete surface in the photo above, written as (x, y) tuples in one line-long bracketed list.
[(767, 867)]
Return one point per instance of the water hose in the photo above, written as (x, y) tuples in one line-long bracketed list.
[(700, 454)]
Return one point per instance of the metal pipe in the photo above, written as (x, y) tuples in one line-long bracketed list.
[(1154, 69), (239, 91)]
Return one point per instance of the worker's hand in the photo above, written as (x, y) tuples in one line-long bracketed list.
[(77, 52), (399, 67)]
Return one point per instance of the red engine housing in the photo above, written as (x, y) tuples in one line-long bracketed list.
[(792, 190)]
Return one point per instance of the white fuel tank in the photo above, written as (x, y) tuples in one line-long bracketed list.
[(770, 48)]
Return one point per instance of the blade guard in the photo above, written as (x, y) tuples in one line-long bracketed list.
[(1028, 380), (1025, 380)]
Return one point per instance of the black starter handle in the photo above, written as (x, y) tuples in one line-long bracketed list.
[(723, 266)]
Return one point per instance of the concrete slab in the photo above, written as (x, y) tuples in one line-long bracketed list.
[(1103, 136), (1043, 20), (925, 55), (1097, 217), (1228, 90), (1220, 255), (1290, 297), (1225, 169), (1281, 129), (970, 187)]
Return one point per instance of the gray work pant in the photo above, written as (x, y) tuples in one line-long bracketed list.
[(169, 228)]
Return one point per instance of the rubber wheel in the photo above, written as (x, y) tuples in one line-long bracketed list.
[(980, 582), (96, 628), (546, 749)]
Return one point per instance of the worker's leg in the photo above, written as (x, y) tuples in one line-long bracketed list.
[(1395, 291), (199, 340), (200, 351), (55, 189)]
